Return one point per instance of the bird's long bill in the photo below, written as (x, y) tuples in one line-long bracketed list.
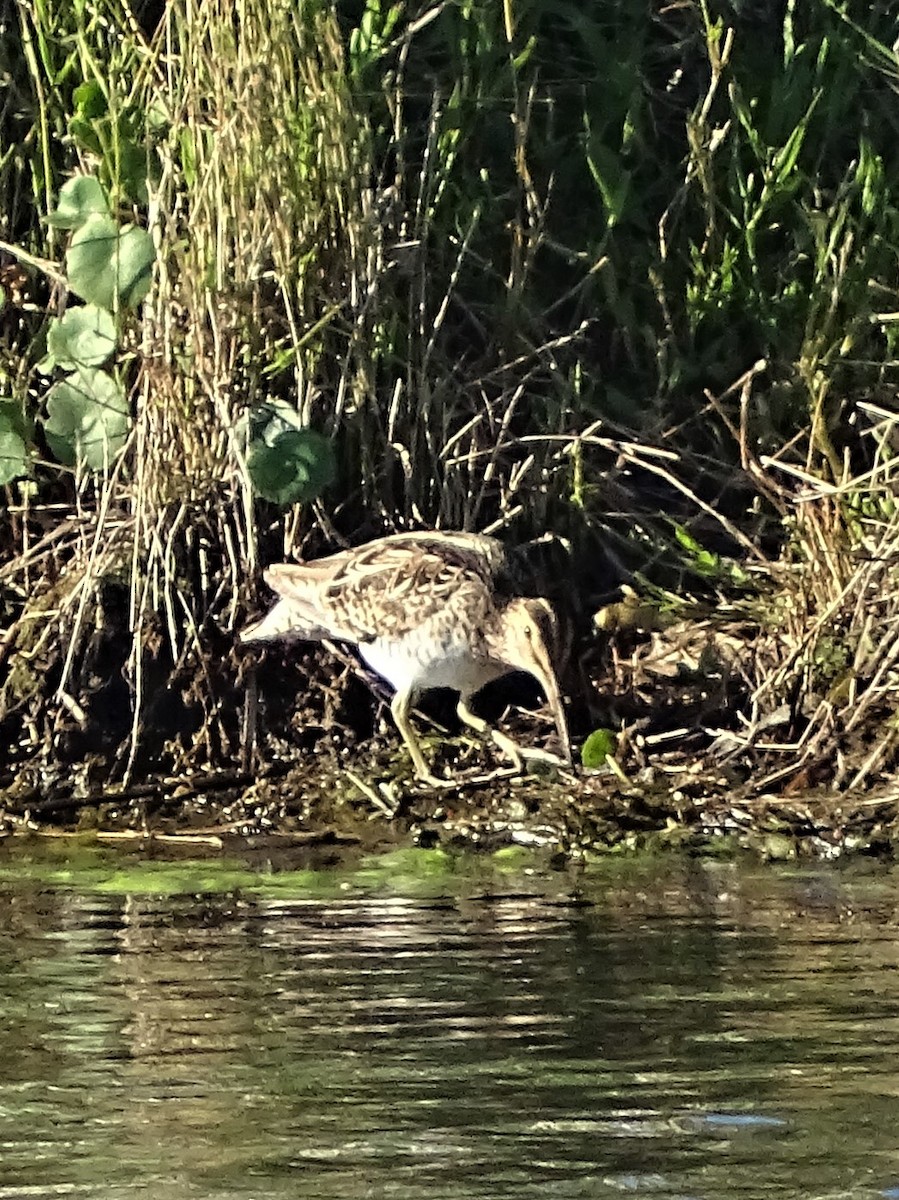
[(550, 685)]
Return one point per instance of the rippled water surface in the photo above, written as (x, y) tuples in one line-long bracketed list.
[(664, 1029)]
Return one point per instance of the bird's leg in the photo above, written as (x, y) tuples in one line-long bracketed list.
[(399, 706), (515, 753), (508, 747)]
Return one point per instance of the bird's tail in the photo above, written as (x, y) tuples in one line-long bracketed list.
[(288, 619)]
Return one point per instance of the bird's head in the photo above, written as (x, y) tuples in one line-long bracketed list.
[(530, 634)]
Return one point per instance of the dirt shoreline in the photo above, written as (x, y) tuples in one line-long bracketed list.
[(323, 764), (576, 813)]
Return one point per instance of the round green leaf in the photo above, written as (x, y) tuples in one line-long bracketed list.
[(600, 745), (81, 337), (13, 453), (88, 419), (296, 466), (271, 473), (110, 266), (79, 200)]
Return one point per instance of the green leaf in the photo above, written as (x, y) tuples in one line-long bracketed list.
[(79, 200), (687, 540), (108, 265), (90, 100), (704, 562), (600, 745), (88, 419), (288, 462), (133, 170), (82, 337), (297, 466), (521, 59), (85, 135), (13, 452), (12, 417), (610, 177)]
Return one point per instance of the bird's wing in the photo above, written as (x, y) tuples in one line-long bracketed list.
[(306, 606), (389, 588), (380, 589), (476, 552)]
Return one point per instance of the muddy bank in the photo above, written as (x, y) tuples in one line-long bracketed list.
[(296, 747), (320, 802)]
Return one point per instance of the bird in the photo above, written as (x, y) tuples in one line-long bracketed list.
[(425, 610)]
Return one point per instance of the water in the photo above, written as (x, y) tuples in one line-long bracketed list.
[(668, 1029)]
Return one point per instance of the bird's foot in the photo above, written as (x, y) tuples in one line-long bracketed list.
[(520, 755), (545, 757), (483, 777), (457, 782), (434, 781)]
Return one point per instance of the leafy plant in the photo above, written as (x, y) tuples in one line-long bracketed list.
[(88, 419), (115, 135), (287, 461), (80, 198), (14, 455), (107, 264), (598, 747), (82, 337)]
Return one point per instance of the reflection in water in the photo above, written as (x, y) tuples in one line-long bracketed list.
[(692, 1031)]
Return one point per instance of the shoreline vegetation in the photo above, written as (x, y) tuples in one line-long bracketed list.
[(619, 288)]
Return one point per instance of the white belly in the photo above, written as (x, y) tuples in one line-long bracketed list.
[(407, 667)]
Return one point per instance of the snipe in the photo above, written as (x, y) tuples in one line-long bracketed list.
[(426, 610)]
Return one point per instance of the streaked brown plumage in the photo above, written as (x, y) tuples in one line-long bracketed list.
[(426, 610)]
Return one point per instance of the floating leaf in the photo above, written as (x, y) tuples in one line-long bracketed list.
[(600, 745), (79, 200), (108, 265), (82, 337), (88, 419)]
